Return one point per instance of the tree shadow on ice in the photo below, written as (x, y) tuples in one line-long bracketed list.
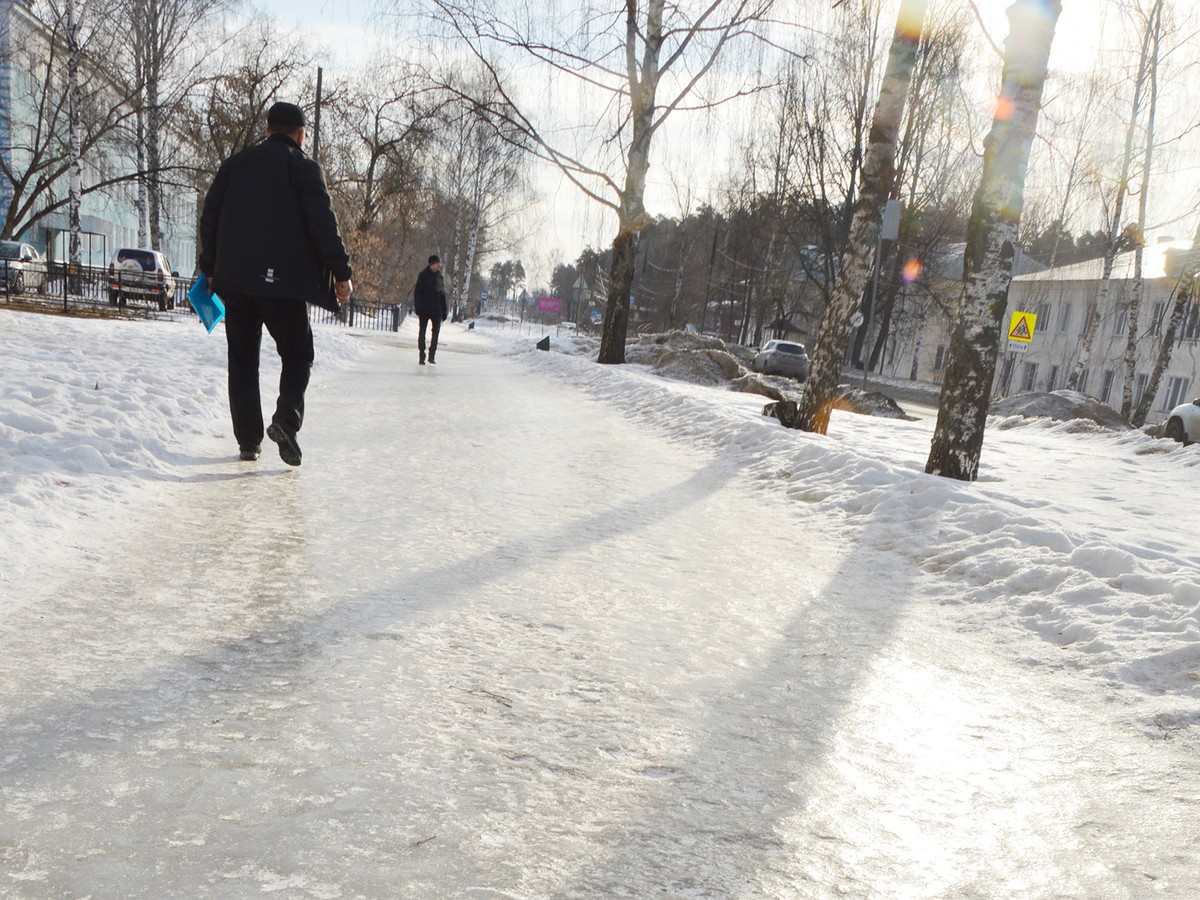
[(222, 599)]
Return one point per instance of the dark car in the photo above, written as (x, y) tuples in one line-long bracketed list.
[(782, 358)]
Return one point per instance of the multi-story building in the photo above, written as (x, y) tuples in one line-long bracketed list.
[(1063, 299), (33, 126)]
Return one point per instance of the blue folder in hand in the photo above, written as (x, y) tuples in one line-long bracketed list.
[(208, 306)]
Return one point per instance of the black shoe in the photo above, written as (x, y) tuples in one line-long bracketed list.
[(289, 450), (432, 361), (422, 362), (249, 454)]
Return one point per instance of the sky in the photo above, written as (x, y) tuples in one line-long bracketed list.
[(564, 220), (522, 625)]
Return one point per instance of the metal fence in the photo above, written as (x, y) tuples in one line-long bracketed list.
[(84, 288), (92, 291), (373, 315)]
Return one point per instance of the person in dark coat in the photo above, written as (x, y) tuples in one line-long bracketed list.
[(429, 301), (269, 244)]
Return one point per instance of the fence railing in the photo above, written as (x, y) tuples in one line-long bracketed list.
[(373, 315), (91, 288), (82, 287)]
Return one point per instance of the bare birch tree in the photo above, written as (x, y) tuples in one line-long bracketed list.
[(1185, 295), (992, 243), (625, 56), (1153, 27), (67, 109), (877, 185), (484, 181), (164, 41), (1119, 237)]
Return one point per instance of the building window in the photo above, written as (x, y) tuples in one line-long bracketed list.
[(1064, 317), (1006, 376), (1156, 320), (1082, 386), (1122, 320), (1106, 385), (939, 361), (1028, 376), (1174, 394), (1139, 387), (1191, 322), (1088, 312), (1052, 380), (1043, 317)]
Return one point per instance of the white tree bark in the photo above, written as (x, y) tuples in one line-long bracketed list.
[(75, 181), (1115, 232), (143, 237), (992, 243), (1153, 29), (1185, 294), (878, 182)]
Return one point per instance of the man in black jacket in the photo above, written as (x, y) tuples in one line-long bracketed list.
[(269, 240), (429, 301)]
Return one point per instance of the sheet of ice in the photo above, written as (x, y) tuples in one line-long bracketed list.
[(527, 626)]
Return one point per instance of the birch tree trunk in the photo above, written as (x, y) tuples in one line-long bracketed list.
[(631, 211), (878, 181), (476, 213), (1185, 293), (455, 271), (141, 203), (1115, 243), (154, 160), (75, 185), (1153, 27), (991, 243)]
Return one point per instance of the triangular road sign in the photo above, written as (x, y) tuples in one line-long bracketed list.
[(1021, 328)]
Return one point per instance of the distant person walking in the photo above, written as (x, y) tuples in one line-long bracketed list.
[(268, 240), (429, 301)]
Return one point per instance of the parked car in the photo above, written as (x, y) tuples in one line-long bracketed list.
[(143, 274), (22, 267), (782, 358), (1183, 423)]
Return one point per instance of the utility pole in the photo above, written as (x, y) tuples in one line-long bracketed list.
[(317, 119), (889, 230)]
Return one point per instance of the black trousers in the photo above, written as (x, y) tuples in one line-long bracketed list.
[(287, 322), (437, 327)]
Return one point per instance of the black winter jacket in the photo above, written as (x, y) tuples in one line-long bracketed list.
[(429, 294), (268, 228)]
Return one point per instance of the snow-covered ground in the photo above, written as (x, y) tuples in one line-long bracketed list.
[(526, 626)]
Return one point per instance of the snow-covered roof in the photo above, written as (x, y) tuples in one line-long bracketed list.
[(948, 263), (1162, 260)]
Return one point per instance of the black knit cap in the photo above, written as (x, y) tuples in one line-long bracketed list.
[(434, 258), (287, 114)]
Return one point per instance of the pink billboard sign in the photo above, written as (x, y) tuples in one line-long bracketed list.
[(549, 304)]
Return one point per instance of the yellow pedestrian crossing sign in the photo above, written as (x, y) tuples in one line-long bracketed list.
[(1021, 326)]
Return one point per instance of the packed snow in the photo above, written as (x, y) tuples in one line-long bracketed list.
[(527, 626)]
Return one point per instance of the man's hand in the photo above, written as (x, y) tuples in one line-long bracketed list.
[(343, 289)]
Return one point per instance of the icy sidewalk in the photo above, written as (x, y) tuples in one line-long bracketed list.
[(494, 639)]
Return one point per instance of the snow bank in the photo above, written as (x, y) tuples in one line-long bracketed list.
[(1076, 532), (1061, 406), (92, 408)]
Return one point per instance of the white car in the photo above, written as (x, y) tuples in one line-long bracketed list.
[(1183, 424), (21, 267), (782, 358), (143, 274)]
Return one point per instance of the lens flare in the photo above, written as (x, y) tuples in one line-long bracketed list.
[(1004, 108), (911, 271)]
